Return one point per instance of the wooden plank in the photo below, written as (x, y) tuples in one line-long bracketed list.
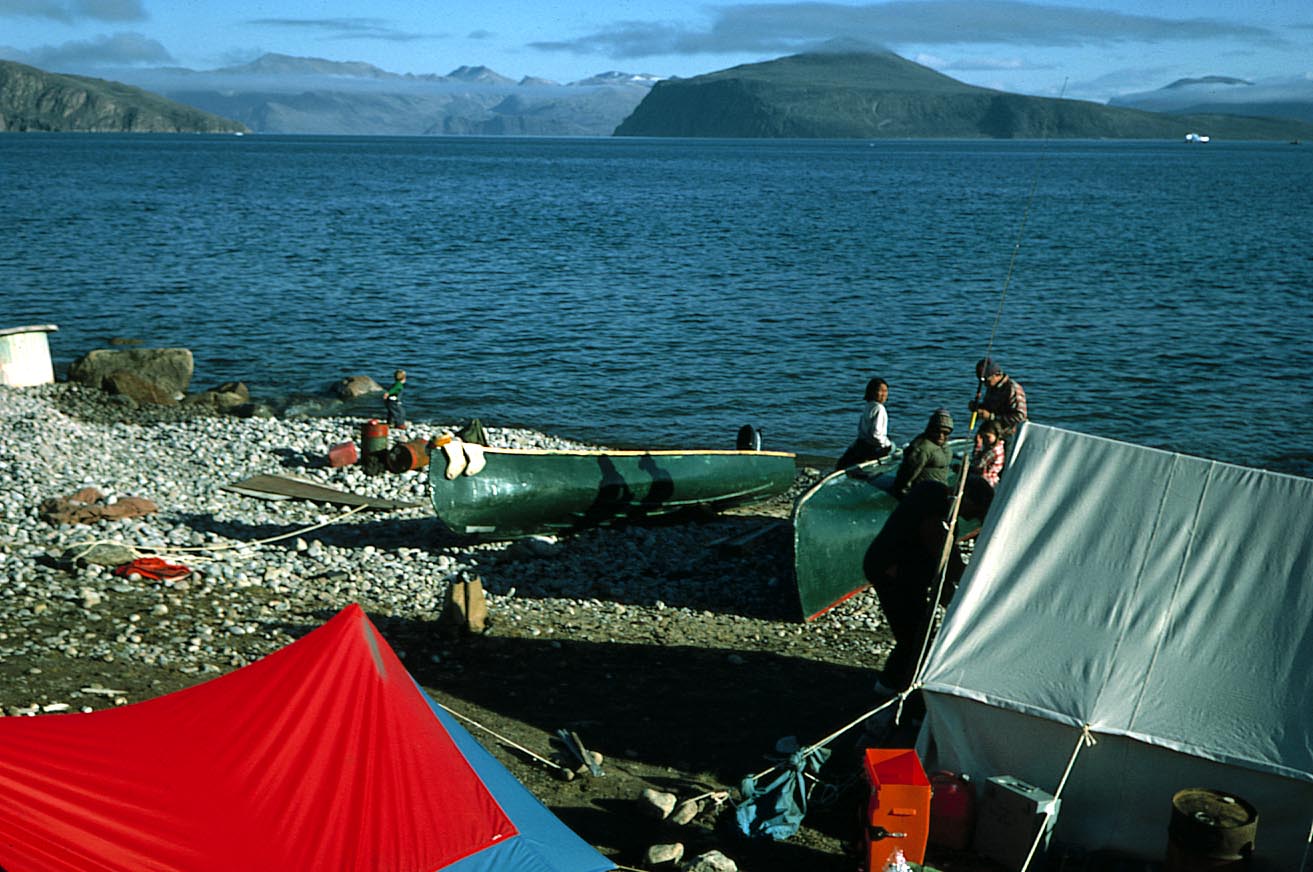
[(285, 487)]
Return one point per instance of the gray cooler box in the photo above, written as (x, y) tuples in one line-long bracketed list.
[(1010, 814)]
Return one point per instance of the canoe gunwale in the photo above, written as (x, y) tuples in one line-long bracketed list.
[(635, 452)]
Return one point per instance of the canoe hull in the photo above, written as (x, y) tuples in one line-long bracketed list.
[(834, 525), (522, 492)]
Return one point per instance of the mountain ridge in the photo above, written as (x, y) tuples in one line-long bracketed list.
[(878, 94), (284, 94), (1228, 95), (842, 90), (33, 100)]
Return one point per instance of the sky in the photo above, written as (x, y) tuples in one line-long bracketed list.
[(1080, 49)]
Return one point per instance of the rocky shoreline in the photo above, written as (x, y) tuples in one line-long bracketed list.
[(673, 597)]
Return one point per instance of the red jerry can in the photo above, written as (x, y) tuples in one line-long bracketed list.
[(343, 454), (952, 810)]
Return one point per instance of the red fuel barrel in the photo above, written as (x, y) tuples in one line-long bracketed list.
[(952, 810), (374, 437)]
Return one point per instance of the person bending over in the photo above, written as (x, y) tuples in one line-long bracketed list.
[(926, 457)]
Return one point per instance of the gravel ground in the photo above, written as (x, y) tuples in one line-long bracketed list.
[(676, 658)]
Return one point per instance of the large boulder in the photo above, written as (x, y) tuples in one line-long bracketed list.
[(355, 386), (125, 383), (224, 399), (150, 375)]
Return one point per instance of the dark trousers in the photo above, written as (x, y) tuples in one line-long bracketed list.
[(860, 452), (396, 413), (905, 601)]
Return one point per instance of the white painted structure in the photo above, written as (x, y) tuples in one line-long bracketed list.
[(25, 356)]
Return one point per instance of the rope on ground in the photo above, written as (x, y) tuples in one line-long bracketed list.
[(499, 737), (1084, 740), (162, 551)]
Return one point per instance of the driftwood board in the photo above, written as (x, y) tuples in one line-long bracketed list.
[(281, 487)]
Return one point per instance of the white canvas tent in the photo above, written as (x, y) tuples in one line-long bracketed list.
[(1163, 601)]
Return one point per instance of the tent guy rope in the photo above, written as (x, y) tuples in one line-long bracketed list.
[(1084, 740)]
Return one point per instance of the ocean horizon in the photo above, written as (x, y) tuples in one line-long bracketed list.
[(662, 293)]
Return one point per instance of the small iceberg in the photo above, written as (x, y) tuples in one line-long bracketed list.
[(1195, 137)]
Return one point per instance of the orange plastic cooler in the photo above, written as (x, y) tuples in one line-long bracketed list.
[(898, 814)]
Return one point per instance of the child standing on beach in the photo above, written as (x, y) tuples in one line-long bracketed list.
[(396, 413)]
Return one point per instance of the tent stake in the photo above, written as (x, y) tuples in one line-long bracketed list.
[(561, 770)]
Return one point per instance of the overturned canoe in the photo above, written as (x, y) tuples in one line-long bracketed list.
[(503, 492), (834, 524)]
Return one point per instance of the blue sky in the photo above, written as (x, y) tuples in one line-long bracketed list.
[(1085, 49)]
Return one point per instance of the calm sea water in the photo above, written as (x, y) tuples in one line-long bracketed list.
[(662, 293)]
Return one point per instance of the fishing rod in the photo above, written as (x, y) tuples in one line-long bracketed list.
[(950, 540), (1012, 264)]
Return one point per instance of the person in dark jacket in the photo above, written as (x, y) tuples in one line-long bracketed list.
[(902, 564), (926, 457), (1004, 401)]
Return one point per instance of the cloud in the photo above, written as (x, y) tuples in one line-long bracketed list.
[(978, 64), (761, 28), (345, 28), (119, 50), (70, 11)]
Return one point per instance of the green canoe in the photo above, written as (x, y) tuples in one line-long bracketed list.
[(519, 492), (835, 522)]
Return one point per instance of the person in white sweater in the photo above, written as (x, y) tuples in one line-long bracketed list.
[(872, 441)]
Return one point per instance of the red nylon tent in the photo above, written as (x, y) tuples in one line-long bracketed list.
[(323, 755)]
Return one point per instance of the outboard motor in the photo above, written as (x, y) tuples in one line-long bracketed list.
[(749, 438)]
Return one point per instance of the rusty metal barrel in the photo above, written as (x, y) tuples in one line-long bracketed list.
[(405, 456), (1210, 830), (373, 437)]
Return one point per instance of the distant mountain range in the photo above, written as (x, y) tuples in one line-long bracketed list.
[(1227, 96), (33, 100), (846, 91), (877, 94), (283, 94)]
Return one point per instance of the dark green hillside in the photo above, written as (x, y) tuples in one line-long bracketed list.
[(867, 95), (34, 100)]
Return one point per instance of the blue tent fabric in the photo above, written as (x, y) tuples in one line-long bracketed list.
[(777, 809), (544, 844)]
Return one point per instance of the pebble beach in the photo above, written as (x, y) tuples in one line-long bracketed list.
[(704, 623)]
